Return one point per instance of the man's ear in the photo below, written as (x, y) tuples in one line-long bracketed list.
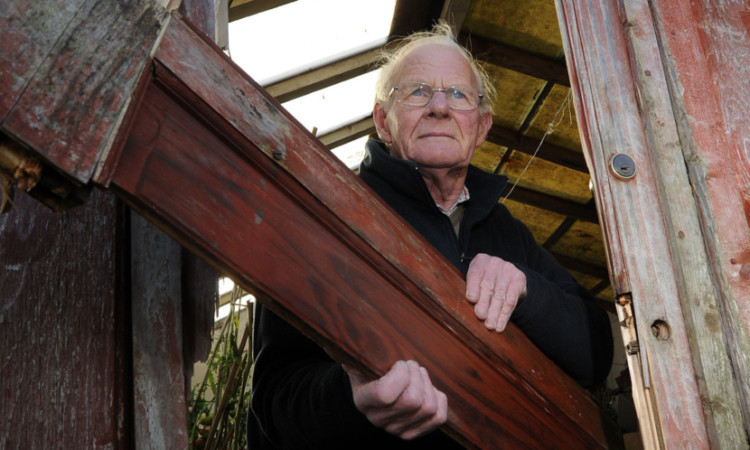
[(378, 116), (485, 123)]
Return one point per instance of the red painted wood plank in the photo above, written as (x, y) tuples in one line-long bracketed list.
[(29, 32), (90, 61), (641, 264), (707, 47)]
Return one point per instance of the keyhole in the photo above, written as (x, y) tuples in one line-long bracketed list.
[(623, 166)]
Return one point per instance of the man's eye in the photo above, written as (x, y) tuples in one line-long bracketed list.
[(457, 94)]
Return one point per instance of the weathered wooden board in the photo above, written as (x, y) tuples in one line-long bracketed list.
[(173, 296), (255, 198), (30, 29), (656, 233), (699, 299), (200, 13), (708, 61), (160, 412), (640, 263), (59, 61), (63, 369)]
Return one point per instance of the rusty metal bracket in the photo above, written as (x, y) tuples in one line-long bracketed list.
[(6, 193), (18, 169), (22, 169)]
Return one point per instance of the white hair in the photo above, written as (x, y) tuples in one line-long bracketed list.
[(442, 34)]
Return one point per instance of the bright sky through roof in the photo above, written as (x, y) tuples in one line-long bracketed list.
[(295, 37), (300, 35)]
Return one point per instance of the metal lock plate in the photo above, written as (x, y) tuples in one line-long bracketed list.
[(622, 166)]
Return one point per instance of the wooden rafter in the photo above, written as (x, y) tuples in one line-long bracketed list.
[(239, 9), (547, 151), (502, 55), (348, 132), (328, 74)]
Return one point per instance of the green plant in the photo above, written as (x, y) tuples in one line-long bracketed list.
[(218, 404)]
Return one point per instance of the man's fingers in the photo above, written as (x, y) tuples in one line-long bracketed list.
[(497, 302), (371, 395), (424, 415), (480, 277), (403, 401), (482, 306), (504, 304), (473, 280), (494, 286)]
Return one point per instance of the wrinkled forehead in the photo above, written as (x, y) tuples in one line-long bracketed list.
[(438, 65)]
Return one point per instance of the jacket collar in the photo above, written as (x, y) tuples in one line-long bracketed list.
[(485, 188)]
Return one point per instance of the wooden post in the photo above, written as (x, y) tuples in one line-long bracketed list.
[(652, 83), (64, 369), (173, 298)]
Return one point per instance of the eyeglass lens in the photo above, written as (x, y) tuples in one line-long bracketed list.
[(420, 94)]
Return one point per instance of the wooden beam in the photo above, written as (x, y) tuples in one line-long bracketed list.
[(327, 74), (329, 268), (705, 48), (348, 132), (455, 12), (549, 152), (239, 9), (159, 383), (503, 55), (552, 203), (414, 15)]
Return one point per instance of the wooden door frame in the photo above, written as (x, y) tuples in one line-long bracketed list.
[(676, 232)]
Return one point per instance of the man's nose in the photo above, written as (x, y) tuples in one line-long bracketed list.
[(438, 102)]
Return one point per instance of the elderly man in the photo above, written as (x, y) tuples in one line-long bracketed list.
[(433, 108)]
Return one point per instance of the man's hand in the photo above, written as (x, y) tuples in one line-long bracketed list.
[(494, 286), (403, 401)]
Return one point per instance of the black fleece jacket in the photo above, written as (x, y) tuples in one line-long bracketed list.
[(302, 399)]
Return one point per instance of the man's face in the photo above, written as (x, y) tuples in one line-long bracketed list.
[(434, 136)]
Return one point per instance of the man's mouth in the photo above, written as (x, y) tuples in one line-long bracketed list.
[(432, 135)]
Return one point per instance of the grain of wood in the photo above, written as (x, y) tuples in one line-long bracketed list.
[(63, 363)]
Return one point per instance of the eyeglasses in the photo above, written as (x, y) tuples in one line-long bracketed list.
[(459, 98)]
